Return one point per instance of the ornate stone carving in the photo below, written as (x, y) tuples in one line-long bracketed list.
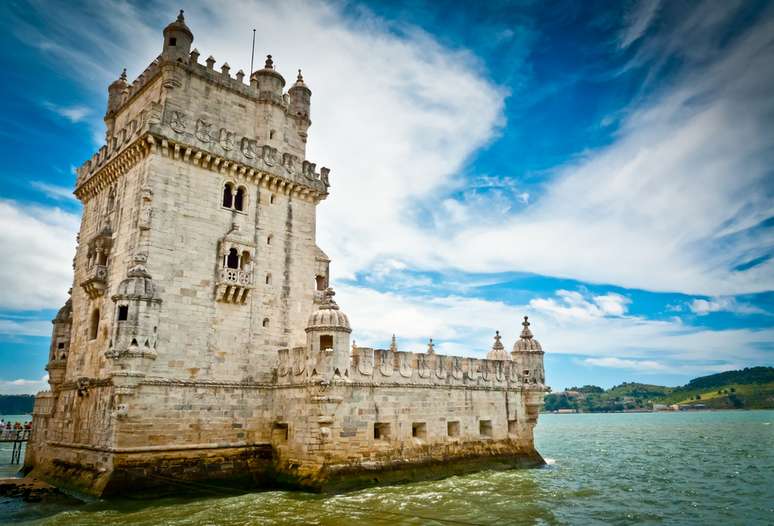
[(177, 121), (269, 155), (248, 147), (226, 139), (146, 211), (203, 130)]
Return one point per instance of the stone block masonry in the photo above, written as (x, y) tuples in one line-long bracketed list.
[(202, 342)]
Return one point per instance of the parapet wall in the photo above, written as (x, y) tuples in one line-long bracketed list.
[(378, 366)]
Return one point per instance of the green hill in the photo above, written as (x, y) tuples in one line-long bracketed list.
[(16, 404), (749, 388)]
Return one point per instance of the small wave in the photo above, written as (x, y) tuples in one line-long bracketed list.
[(550, 461)]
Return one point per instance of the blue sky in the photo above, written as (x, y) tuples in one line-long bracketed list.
[(603, 167)]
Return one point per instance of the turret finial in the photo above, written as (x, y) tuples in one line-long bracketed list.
[(180, 17), (269, 63), (300, 78), (498, 344), (394, 344), (123, 75), (526, 333), (430, 347)]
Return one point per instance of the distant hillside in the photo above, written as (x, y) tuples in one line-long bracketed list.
[(16, 404), (750, 388)]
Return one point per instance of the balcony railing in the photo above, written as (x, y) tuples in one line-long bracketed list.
[(234, 285)]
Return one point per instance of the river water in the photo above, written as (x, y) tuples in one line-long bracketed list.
[(650, 468)]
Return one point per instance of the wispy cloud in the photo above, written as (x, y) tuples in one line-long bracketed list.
[(37, 244), (702, 307), (54, 192), (25, 327), (23, 386), (74, 114), (638, 21)]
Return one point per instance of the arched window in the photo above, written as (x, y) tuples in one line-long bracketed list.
[(268, 278), (320, 283), (123, 312), (271, 199), (232, 259), (94, 325), (239, 199), (228, 195), (269, 239), (245, 260), (266, 322)]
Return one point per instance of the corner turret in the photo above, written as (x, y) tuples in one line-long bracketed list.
[(268, 82), (300, 99), (177, 40), (528, 354), (135, 328), (327, 339)]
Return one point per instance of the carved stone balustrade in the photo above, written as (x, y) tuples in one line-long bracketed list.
[(234, 285), (96, 281)]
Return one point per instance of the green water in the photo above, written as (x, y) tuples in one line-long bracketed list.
[(656, 468)]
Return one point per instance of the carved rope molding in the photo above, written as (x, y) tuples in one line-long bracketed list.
[(139, 149), (179, 150)]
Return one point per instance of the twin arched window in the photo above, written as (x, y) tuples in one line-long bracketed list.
[(234, 197), (233, 259)]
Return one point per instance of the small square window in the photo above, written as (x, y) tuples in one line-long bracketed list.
[(419, 430), (453, 429), (173, 41), (485, 428), (123, 312), (326, 342), (381, 431)]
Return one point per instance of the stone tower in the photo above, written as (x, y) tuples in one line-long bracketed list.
[(201, 340)]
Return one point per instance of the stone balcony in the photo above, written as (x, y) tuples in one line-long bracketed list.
[(96, 281), (234, 285)]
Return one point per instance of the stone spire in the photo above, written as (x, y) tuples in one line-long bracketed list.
[(394, 344), (498, 349), (269, 64), (430, 347)]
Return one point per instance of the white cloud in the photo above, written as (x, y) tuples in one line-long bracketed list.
[(74, 114), (618, 363), (54, 191), (638, 21), (702, 307), (572, 304), (37, 244), (25, 327), (23, 386)]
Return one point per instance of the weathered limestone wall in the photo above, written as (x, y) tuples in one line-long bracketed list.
[(199, 337)]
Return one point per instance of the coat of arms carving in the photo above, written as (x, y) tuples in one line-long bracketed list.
[(203, 130)]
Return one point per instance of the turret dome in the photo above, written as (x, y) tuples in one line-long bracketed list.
[(498, 349), (328, 316), (527, 342), (138, 284), (178, 25)]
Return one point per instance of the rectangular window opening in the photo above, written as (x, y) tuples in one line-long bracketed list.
[(279, 433), (453, 429), (512, 427), (485, 428), (381, 431), (326, 342), (419, 430), (123, 312)]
